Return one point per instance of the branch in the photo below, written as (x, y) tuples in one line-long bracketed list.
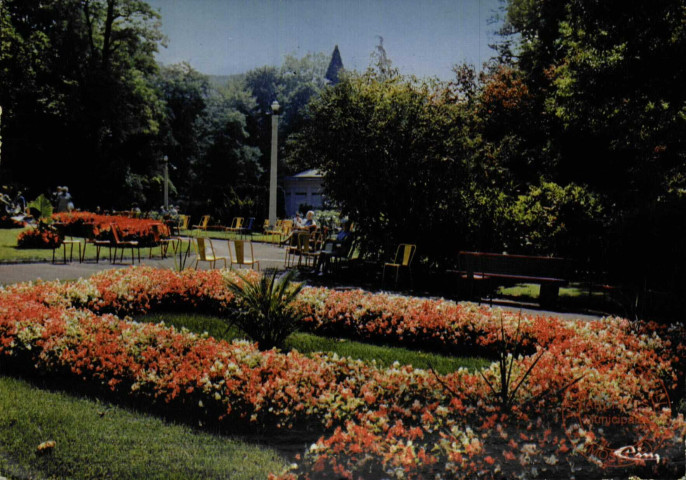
[(89, 23)]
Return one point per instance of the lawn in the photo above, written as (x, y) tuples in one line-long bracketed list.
[(9, 253), (384, 356), (575, 297), (96, 439)]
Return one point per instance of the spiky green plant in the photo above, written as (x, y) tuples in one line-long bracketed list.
[(265, 308)]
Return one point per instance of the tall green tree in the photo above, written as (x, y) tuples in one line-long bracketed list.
[(78, 96), (185, 93), (386, 150), (606, 81)]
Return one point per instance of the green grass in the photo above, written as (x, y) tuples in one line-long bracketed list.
[(9, 253), (532, 290), (572, 297), (308, 343), (100, 440)]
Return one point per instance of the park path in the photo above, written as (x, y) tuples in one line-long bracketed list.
[(269, 255)]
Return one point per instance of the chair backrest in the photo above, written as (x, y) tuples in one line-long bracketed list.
[(184, 220), (204, 221), (116, 232), (156, 235), (317, 242), (239, 251), (287, 224), (265, 225), (405, 254), (201, 245), (251, 221), (239, 222)]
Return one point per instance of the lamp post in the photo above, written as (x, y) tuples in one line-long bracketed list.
[(273, 170), (166, 182)]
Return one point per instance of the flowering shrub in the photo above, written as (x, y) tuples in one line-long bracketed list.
[(140, 229), (396, 422), (39, 238)]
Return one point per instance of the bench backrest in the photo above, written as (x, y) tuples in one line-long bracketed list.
[(517, 265)]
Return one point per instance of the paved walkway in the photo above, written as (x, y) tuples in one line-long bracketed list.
[(269, 255)]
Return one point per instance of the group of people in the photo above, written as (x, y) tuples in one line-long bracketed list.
[(63, 200), (307, 224), (334, 246)]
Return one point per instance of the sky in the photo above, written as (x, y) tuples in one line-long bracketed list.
[(421, 37)]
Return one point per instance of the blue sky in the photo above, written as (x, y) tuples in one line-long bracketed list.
[(421, 37)]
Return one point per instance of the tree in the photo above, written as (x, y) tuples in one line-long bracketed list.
[(606, 81), (79, 101), (226, 174), (185, 93), (385, 148)]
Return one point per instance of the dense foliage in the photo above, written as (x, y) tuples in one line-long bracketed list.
[(409, 163), (604, 82), (84, 98)]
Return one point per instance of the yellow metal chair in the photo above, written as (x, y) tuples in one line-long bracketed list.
[(67, 240), (204, 222), (184, 221), (97, 243), (276, 230), (204, 251), (238, 257), (403, 259), (236, 225)]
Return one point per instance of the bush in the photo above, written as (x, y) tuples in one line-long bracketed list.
[(266, 311), (555, 220), (42, 237)]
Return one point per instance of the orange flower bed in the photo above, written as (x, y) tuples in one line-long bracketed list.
[(372, 422), (38, 238), (139, 229)]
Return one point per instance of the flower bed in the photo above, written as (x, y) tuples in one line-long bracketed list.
[(39, 238), (398, 422), (79, 223)]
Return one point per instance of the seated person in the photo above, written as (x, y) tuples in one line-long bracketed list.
[(298, 221), (309, 222), (339, 248)]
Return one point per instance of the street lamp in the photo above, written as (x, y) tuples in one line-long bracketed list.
[(272, 172), (166, 183)]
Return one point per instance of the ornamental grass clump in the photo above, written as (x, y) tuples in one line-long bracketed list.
[(266, 312)]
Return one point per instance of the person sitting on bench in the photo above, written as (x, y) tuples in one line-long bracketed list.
[(337, 247)]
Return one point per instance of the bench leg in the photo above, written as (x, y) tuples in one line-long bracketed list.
[(548, 294)]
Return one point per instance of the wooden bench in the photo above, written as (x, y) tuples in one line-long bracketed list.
[(549, 272)]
